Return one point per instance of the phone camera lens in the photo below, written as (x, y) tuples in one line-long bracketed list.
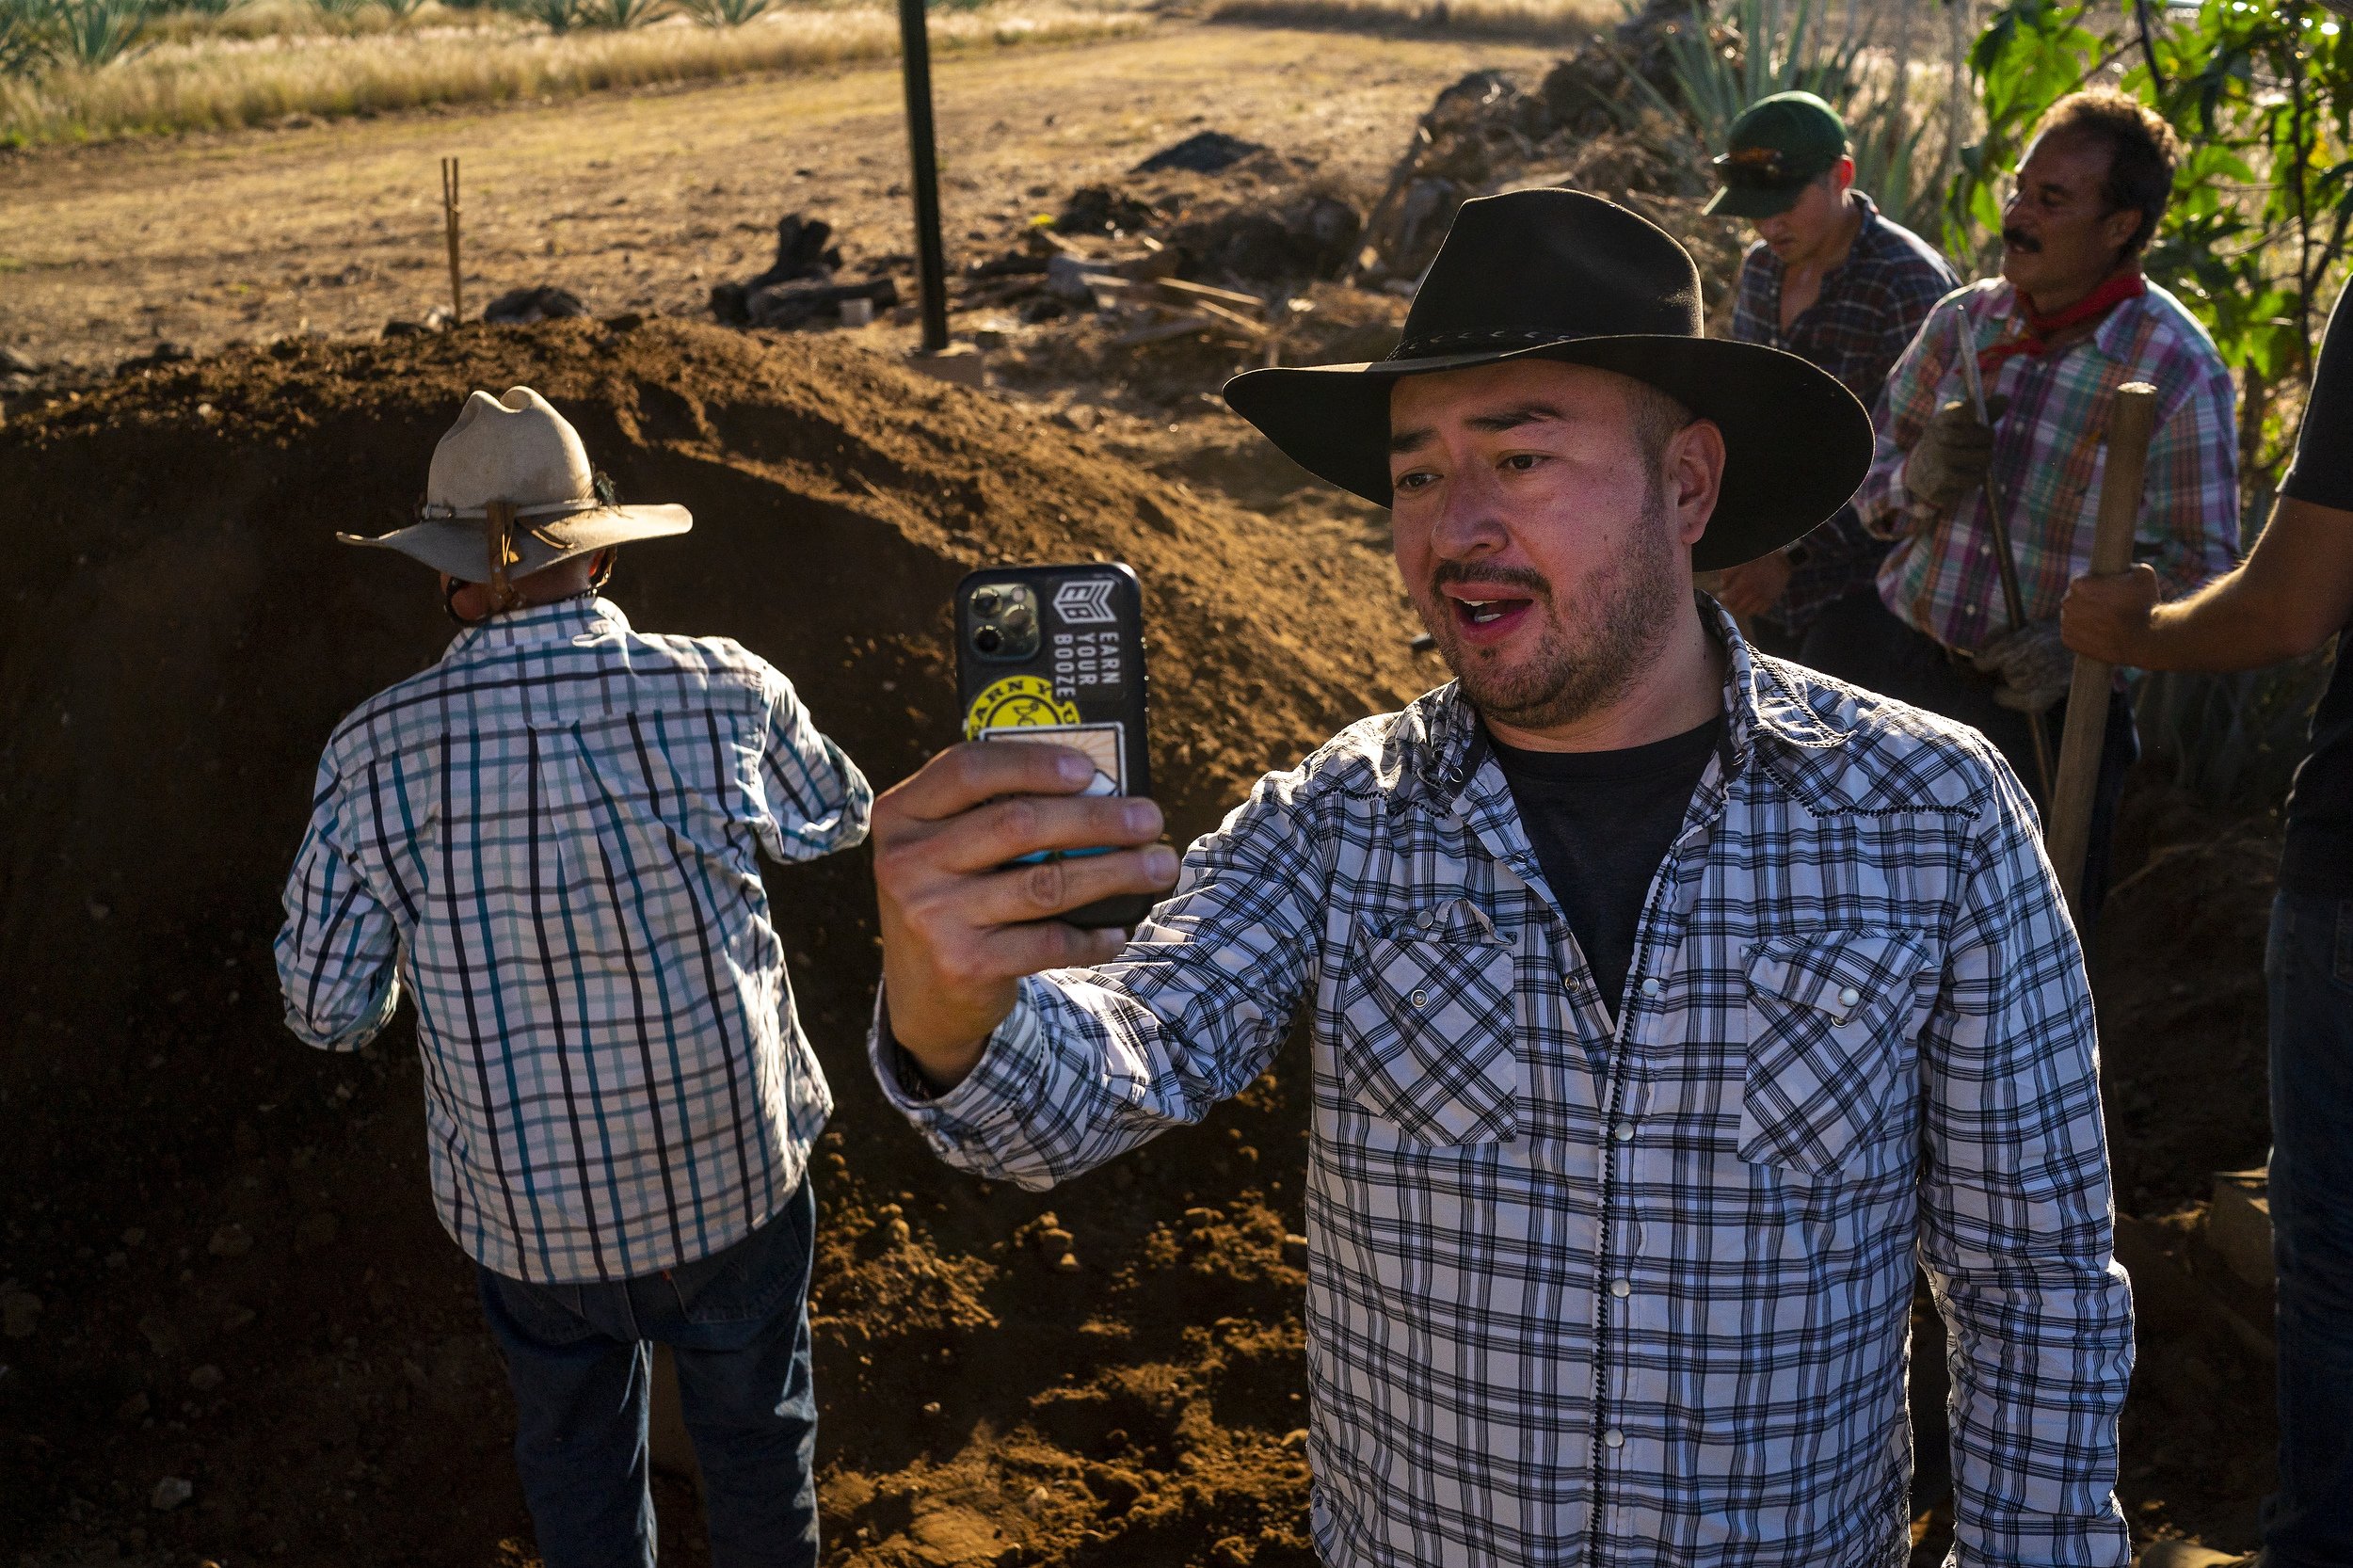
[(1018, 616), (988, 639), (985, 603)]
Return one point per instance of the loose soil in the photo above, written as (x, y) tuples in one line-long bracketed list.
[(182, 633), (242, 1283)]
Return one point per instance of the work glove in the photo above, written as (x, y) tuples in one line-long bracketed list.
[(2030, 667), (1952, 454)]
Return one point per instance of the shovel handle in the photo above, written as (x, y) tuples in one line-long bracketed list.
[(2132, 420)]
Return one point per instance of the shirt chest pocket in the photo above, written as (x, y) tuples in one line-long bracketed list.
[(1426, 1031), (1826, 1017)]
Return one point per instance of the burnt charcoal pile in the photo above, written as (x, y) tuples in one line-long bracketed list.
[(801, 288)]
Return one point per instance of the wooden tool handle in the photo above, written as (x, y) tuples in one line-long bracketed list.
[(2132, 420)]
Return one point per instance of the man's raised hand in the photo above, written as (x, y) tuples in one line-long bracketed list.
[(2107, 618), (960, 924)]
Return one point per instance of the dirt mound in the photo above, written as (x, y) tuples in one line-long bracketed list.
[(240, 1282)]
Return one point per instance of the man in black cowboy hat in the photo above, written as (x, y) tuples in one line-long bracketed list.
[(1665, 999)]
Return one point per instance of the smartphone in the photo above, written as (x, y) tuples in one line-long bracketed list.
[(1055, 654)]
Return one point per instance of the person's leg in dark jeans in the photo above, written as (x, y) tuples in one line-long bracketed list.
[(2308, 966), (738, 1324), (580, 1378)]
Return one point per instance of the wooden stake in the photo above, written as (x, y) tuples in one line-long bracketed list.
[(2132, 418), (449, 224)]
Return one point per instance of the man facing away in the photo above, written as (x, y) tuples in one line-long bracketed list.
[(2292, 594), (1665, 999), (1834, 281), (2070, 320), (550, 839)]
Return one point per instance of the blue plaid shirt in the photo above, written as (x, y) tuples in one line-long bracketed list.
[(1627, 1280), (1871, 307), (552, 837)]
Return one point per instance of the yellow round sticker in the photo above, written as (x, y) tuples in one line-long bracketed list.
[(1017, 702)]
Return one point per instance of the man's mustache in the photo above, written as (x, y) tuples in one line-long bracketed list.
[(2018, 239), (1491, 577)]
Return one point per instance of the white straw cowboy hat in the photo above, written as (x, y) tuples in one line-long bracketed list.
[(510, 492)]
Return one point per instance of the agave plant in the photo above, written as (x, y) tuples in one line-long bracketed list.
[(27, 38), (723, 13), (618, 16), (95, 33), (401, 10), (1771, 49), (556, 16), (1758, 47)]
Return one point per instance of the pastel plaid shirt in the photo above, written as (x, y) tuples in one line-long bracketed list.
[(552, 837), (2049, 452), (1585, 1288), (1871, 306)]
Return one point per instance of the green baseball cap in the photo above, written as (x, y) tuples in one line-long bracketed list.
[(1777, 144)]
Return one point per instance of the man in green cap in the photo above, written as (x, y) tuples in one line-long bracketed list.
[(1831, 280)]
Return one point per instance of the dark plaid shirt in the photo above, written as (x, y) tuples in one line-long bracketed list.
[(1871, 308), (1632, 1284)]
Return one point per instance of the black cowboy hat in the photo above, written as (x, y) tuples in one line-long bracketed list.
[(1560, 274)]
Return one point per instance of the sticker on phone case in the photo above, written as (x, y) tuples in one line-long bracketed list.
[(1087, 601), (1100, 742), (1017, 702)]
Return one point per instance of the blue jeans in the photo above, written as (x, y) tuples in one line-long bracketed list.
[(2309, 1524), (737, 1323)]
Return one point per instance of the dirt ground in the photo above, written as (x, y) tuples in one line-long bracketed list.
[(240, 1281)]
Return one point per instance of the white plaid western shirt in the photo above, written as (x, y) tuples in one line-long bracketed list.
[(1636, 1290), (553, 834)]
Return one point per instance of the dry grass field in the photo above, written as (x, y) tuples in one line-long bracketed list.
[(263, 63)]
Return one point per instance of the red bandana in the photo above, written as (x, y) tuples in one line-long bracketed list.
[(2036, 339)]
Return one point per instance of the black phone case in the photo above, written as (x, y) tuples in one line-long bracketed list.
[(1082, 686)]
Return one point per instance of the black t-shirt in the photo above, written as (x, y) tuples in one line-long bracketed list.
[(2319, 858), (1600, 822)]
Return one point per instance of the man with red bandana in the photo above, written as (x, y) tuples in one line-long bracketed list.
[(2070, 320)]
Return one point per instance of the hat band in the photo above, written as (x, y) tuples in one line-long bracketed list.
[(441, 511), (1437, 343)]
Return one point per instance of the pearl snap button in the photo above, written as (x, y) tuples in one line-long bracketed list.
[(1429, 917), (1614, 1438), (1621, 1288), (1848, 996), (1623, 1132), (1420, 999), (1651, 986)]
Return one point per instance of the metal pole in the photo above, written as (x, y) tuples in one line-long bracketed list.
[(2006, 559), (931, 261), (449, 226)]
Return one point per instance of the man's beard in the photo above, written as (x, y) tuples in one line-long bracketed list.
[(1582, 661)]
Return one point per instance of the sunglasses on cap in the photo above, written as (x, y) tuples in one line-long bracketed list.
[(1760, 167)]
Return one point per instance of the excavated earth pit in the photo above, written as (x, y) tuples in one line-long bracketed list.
[(221, 1264), (205, 1194)]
